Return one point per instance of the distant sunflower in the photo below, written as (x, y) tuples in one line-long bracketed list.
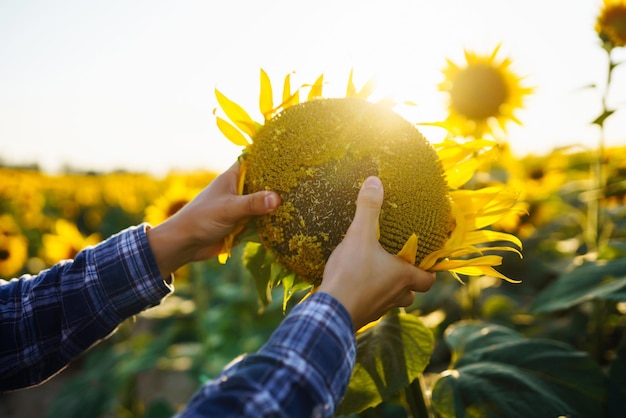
[(13, 247), (178, 192), (316, 154), (65, 242), (611, 23), (483, 94)]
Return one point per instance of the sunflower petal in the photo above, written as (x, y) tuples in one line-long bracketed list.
[(237, 114), (233, 134), (485, 235), (367, 90), (316, 88), (266, 97), (409, 250), (351, 89), (288, 98)]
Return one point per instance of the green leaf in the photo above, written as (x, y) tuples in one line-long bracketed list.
[(617, 383), (258, 263), (476, 336), (390, 355), (591, 280), (159, 408), (291, 285), (518, 377)]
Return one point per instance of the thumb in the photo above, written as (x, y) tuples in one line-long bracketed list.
[(368, 206)]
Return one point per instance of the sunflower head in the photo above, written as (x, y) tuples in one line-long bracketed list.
[(317, 154), (611, 23), (483, 93)]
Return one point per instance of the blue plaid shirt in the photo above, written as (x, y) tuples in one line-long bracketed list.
[(48, 320)]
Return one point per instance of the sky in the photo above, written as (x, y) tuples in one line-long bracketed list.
[(129, 85)]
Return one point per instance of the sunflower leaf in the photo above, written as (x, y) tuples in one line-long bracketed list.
[(390, 355), (592, 280), (491, 360), (257, 261)]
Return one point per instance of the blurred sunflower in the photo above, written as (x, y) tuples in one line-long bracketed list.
[(611, 23), (317, 152), (483, 94), (66, 242), (176, 195), (13, 247)]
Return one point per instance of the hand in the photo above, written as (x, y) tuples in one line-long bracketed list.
[(197, 231), (364, 277)]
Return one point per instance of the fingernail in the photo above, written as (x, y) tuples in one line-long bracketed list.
[(372, 182), (270, 201)]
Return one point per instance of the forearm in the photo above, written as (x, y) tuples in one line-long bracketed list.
[(303, 369), (49, 319)]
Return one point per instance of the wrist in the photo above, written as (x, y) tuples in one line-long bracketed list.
[(170, 247)]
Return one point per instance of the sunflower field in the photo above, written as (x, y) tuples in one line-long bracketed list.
[(527, 316)]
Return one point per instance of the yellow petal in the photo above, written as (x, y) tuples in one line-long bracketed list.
[(409, 250), (460, 174), (237, 114), (287, 88), (289, 99), (367, 90), (243, 167), (233, 134), (484, 236), (316, 88), (223, 257), (351, 90), (486, 260), (266, 97)]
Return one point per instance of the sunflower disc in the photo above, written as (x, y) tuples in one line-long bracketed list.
[(316, 156)]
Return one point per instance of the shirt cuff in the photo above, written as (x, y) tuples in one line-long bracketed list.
[(128, 273), (319, 334)]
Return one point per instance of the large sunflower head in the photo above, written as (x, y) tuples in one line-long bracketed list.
[(611, 23), (483, 94), (316, 154)]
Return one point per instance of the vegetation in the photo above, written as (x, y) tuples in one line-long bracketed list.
[(552, 345)]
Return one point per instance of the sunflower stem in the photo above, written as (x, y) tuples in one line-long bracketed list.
[(414, 392)]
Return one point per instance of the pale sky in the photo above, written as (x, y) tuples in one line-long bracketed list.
[(129, 85)]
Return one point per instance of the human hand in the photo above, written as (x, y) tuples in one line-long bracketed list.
[(197, 231), (360, 274)]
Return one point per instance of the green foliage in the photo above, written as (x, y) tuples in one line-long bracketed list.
[(589, 281), (499, 373), (390, 355)]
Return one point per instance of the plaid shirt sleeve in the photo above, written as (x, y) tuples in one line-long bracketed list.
[(49, 319), (302, 371)]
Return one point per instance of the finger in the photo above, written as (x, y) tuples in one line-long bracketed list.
[(368, 206), (406, 299), (259, 203), (420, 280)]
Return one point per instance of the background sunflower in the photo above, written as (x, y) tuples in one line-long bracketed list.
[(484, 94)]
